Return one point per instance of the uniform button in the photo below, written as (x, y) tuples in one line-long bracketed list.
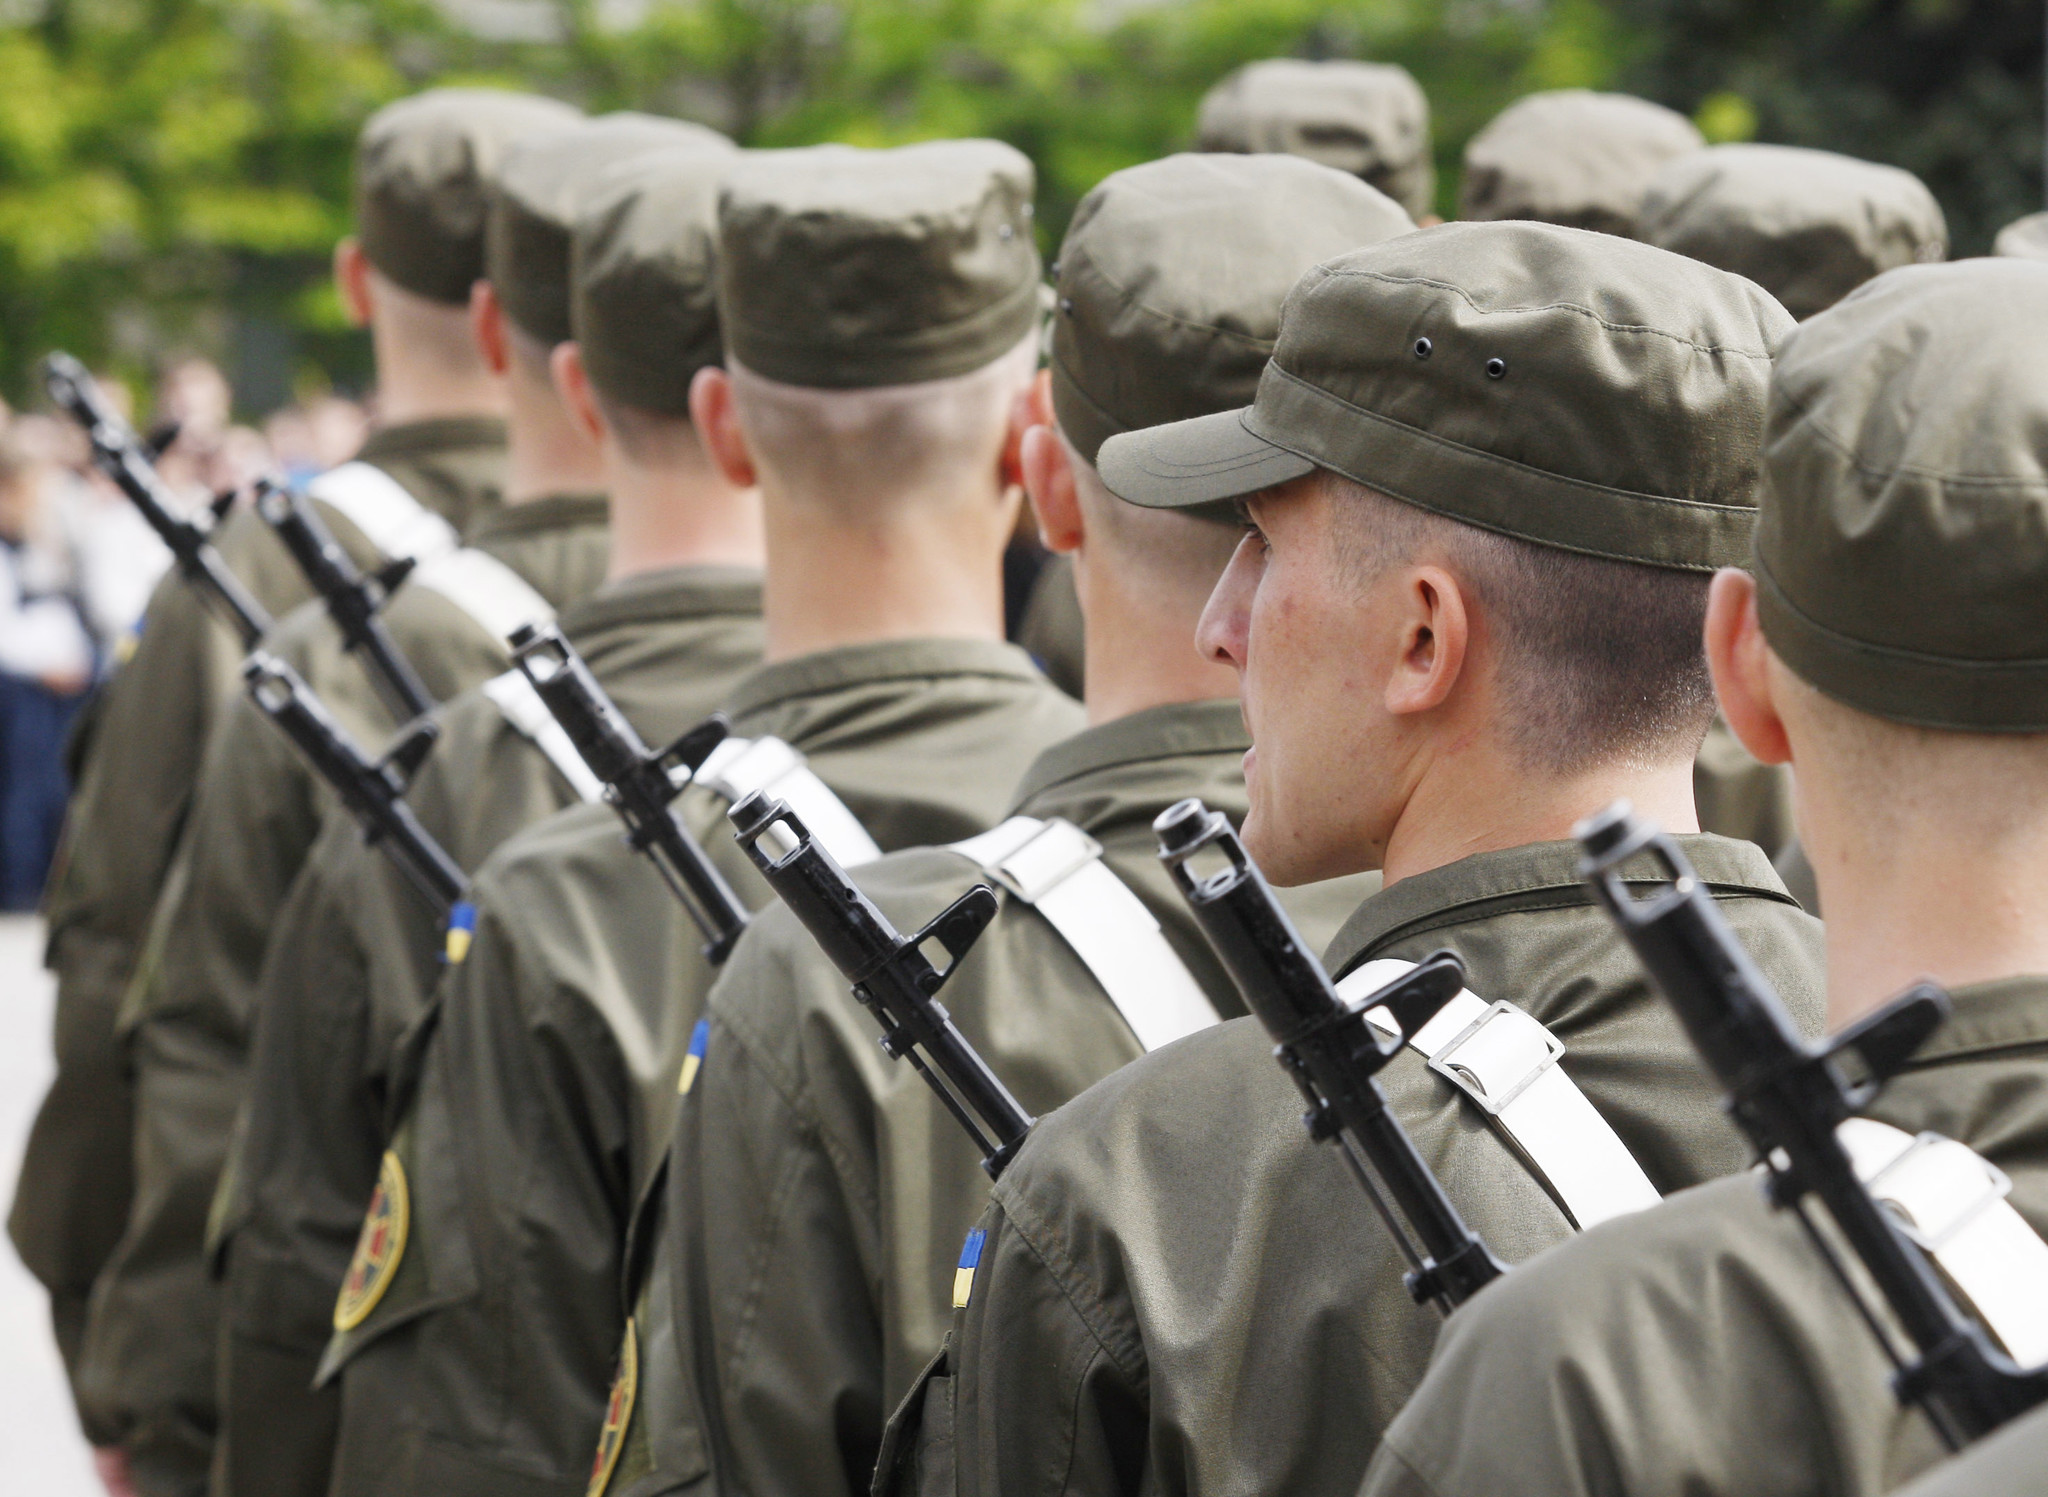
[(1496, 368)]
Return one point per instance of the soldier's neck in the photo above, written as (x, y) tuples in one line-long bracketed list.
[(679, 514), (926, 573), (546, 453), (1139, 651), (1482, 798), (417, 384)]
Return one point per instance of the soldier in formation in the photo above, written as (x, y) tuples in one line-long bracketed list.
[(1668, 471)]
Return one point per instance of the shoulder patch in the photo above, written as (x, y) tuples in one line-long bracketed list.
[(693, 1062), (970, 1260), (618, 1412), (461, 931), (379, 1247)]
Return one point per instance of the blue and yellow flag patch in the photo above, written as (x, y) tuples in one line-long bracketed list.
[(461, 931), (693, 1061), (970, 1260)]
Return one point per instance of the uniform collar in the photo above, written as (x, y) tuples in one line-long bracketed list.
[(1540, 875), (532, 516), (2009, 1013), (668, 594), (865, 665), (415, 439), (1167, 732)]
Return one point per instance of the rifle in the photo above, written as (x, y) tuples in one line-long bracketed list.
[(1789, 1097), (1332, 1051), (639, 783), (890, 973), (352, 599), (119, 455), (373, 791)]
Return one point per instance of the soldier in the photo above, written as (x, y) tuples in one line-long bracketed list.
[(1480, 518), (1572, 157), (1807, 226), (1367, 118), (1169, 290), (1889, 644), (355, 951), (148, 1358), (879, 311), (422, 167)]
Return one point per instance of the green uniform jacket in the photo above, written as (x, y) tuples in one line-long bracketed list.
[(353, 957), (820, 1191), (1704, 1348), (147, 1368), (120, 831), (1180, 1292), (549, 1088), (2007, 1463)]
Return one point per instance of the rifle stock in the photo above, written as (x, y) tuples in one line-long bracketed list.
[(890, 973), (1331, 1050), (1789, 1097), (119, 455), (639, 783)]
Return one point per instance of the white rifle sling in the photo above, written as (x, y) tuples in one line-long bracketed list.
[(1506, 1062), (388, 517), (1952, 1202), (514, 696), (1057, 869), (496, 597), (740, 766)]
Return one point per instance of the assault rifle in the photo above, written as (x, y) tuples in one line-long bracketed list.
[(353, 599), (1331, 1050), (890, 973), (1789, 1097), (124, 459), (373, 791), (638, 782)]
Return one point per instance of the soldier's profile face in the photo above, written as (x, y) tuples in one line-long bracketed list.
[(1290, 618)]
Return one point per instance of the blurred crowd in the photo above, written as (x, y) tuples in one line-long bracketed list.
[(77, 565)]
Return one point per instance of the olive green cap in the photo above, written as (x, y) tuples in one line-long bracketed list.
[(1570, 388), (1807, 226), (424, 170), (1572, 157), (844, 268), (1370, 119), (540, 191), (1172, 276), (2023, 238), (1902, 549), (643, 283)]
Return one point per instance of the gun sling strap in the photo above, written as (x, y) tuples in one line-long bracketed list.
[(1952, 1202), (740, 766), (1506, 1062), (388, 517), (1057, 869), (513, 695)]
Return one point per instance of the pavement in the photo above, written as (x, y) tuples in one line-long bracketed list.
[(41, 1449)]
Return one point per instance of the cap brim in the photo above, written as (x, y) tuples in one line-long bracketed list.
[(1189, 463)]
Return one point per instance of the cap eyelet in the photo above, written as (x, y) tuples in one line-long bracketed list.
[(1006, 231), (1423, 348), (1067, 305), (1496, 369)]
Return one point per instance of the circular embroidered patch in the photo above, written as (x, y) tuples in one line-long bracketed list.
[(378, 1248), (618, 1413)]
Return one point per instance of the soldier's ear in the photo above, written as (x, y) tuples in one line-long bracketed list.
[(714, 414), (1739, 658), (352, 281), (487, 326), (572, 384), (1049, 480)]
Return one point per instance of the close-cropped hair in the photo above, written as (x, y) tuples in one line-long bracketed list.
[(1601, 662), (434, 333), (1159, 550), (892, 443), (649, 439)]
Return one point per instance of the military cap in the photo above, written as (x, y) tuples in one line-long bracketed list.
[(1570, 388), (1366, 118), (2023, 238), (1902, 548), (643, 288), (424, 170), (1572, 157), (539, 193), (843, 268), (1807, 226), (1171, 279)]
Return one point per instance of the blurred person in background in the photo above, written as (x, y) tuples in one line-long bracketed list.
[(47, 660)]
